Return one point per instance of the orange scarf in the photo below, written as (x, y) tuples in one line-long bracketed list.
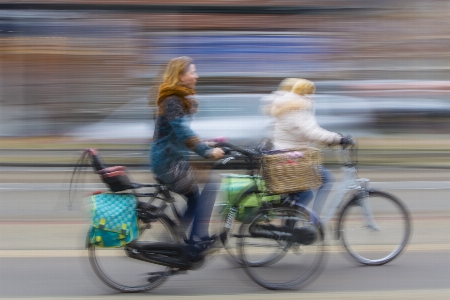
[(189, 105)]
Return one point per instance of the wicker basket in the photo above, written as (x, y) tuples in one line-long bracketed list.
[(287, 172)]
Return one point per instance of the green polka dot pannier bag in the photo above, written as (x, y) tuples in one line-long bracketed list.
[(113, 219)]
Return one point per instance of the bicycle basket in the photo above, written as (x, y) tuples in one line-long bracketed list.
[(113, 219), (292, 171)]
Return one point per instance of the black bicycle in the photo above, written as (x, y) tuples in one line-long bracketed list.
[(269, 239)]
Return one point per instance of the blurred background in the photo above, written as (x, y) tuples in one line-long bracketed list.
[(74, 72), (81, 73)]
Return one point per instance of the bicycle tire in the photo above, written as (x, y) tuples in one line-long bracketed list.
[(300, 263), (228, 239), (379, 242), (124, 274)]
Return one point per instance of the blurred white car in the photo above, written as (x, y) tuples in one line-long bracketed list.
[(238, 117)]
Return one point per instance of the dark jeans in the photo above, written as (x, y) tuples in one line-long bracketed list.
[(305, 197), (199, 210)]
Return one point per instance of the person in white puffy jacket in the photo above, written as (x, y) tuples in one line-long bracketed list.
[(296, 128)]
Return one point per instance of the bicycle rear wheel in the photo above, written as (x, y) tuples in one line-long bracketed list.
[(378, 237), (290, 231), (122, 273)]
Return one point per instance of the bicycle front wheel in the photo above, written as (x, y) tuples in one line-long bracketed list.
[(124, 274), (281, 248), (375, 229)]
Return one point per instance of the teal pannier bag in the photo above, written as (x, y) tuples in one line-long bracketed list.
[(234, 187), (113, 219)]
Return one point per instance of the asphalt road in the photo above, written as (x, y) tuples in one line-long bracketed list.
[(42, 194), (42, 255), (414, 275)]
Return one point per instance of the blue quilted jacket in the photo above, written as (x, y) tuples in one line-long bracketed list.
[(173, 139)]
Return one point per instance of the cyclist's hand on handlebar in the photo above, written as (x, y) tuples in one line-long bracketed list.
[(347, 141), (217, 153), (225, 150)]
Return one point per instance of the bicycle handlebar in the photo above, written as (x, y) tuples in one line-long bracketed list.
[(227, 147)]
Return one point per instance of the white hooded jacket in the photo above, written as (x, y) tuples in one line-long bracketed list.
[(296, 126)]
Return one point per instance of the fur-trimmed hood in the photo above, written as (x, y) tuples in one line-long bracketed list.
[(290, 102)]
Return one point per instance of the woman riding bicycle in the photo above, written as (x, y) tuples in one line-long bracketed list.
[(172, 140), (296, 128)]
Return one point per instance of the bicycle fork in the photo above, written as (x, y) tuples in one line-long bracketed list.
[(363, 202), (362, 194)]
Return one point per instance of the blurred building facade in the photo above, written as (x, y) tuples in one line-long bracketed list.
[(63, 63)]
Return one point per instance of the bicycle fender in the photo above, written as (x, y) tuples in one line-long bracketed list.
[(313, 217)]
